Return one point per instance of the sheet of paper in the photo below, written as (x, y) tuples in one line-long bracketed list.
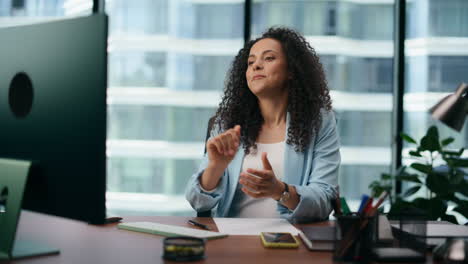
[(253, 226)]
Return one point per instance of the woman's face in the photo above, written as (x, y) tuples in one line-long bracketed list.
[(267, 71)]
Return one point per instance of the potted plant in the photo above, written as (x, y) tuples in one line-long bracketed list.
[(436, 173)]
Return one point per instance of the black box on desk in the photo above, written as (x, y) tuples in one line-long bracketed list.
[(409, 241)]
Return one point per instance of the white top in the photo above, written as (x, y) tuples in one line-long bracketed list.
[(247, 207)]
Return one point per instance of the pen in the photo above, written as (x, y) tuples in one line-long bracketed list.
[(344, 206), (306, 241), (199, 224), (374, 209), (363, 202), (367, 206)]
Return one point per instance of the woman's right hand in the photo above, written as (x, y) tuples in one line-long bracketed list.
[(222, 148)]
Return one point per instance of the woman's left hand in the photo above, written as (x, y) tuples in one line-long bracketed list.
[(263, 184)]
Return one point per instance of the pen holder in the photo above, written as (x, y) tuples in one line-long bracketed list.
[(355, 236)]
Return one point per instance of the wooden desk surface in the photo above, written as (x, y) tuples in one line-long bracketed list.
[(82, 243), (87, 244)]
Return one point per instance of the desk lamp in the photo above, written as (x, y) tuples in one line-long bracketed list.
[(453, 108)]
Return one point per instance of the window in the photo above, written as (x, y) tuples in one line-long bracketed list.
[(354, 42), (366, 20), (436, 62), (167, 65), (168, 60), (137, 68), (312, 18)]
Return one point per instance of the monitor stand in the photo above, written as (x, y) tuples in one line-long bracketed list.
[(113, 219), (24, 249), (14, 174)]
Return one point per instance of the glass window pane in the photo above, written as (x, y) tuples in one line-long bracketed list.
[(372, 20), (137, 68), (14, 12), (167, 65), (137, 17), (358, 128), (354, 179), (135, 175), (167, 123), (436, 63), (354, 40), (41, 8)]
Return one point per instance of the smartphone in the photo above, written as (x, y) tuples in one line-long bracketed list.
[(279, 240)]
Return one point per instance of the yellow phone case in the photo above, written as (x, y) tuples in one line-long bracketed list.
[(279, 244)]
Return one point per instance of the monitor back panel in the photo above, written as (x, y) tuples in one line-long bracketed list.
[(64, 131)]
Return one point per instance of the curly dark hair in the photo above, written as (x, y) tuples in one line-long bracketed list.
[(308, 93)]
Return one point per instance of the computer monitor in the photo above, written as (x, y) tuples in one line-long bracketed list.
[(53, 79)]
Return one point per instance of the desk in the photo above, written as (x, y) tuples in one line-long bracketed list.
[(82, 243)]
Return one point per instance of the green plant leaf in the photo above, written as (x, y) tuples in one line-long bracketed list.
[(422, 167), (412, 191), (433, 132), (407, 138), (408, 177), (447, 141), (451, 153), (462, 208), (398, 207), (450, 218), (374, 186), (463, 188), (404, 209), (378, 187), (450, 197), (438, 183), (429, 144), (435, 207), (401, 170), (415, 153), (461, 151), (377, 191), (430, 141), (386, 176), (460, 163), (456, 178)]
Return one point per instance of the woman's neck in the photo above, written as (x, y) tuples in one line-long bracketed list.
[(273, 110)]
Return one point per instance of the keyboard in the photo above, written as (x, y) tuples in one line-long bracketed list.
[(169, 230)]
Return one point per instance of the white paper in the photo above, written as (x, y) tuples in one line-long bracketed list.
[(253, 226)]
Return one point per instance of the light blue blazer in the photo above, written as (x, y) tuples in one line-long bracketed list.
[(314, 174)]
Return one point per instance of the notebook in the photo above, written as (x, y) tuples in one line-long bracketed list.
[(322, 237), (169, 230), (253, 226), (322, 233)]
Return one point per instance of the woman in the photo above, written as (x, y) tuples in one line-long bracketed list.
[(274, 149)]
